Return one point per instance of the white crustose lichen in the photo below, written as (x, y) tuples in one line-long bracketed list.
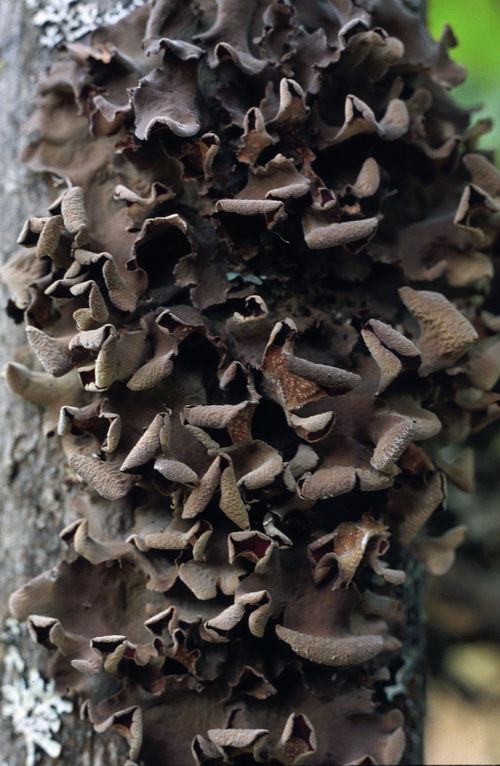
[(28, 702), (71, 20)]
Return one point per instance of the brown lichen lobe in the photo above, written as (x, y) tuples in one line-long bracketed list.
[(445, 333), (221, 302)]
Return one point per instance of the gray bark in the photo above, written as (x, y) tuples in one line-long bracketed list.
[(35, 505)]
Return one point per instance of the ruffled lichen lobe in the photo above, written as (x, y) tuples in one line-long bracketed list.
[(255, 317)]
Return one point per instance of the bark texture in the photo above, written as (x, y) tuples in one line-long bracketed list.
[(35, 504)]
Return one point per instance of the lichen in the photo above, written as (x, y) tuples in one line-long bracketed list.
[(73, 19), (227, 300), (29, 702)]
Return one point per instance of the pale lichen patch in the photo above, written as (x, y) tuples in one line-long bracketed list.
[(29, 702), (71, 20)]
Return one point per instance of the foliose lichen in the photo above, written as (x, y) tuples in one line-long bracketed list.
[(29, 702), (73, 19), (258, 310)]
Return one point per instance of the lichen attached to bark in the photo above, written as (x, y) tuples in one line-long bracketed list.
[(255, 311)]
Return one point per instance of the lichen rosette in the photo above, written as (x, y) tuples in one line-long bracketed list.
[(255, 310)]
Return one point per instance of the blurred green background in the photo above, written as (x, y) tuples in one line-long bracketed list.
[(476, 24), (463, 720)]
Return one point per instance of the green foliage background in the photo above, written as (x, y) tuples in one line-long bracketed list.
[(476, 24)]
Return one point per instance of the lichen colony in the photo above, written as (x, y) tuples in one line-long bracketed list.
[(256, 312)]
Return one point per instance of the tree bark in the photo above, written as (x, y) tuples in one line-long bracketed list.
[(35, 503)]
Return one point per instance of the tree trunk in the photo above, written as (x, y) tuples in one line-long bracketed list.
[(35, 504), (37, 495)]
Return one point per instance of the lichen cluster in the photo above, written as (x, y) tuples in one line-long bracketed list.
[(29, 706), (257, 302)]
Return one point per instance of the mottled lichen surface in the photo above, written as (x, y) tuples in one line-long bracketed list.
[(255, 312)]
